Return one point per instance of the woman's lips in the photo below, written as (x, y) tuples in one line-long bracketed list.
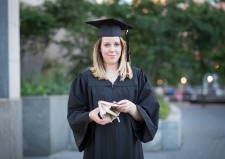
[(112, 56)]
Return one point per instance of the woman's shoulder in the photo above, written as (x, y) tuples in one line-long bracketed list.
[(85, 74), (140, 74), (137, 71)]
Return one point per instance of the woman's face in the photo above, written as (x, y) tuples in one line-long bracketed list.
[(111, 50)]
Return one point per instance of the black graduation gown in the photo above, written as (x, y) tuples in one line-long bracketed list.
[(115, 140)]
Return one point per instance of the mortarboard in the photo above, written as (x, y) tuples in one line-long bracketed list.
[(111, 28)]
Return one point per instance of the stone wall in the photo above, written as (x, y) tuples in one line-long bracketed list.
[(169, 134), (11, 129), (45, 127)]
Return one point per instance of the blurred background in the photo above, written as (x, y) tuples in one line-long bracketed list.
[(179, 44), (176, 43)]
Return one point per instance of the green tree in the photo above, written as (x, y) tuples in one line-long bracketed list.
[(38, 26), (71, 16), (201, 39), (169, 40), (36, 30)]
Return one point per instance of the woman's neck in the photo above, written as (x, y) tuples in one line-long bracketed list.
[(111, 68), (111, 73)]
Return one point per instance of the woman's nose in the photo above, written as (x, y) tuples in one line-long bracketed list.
[(112, 48)]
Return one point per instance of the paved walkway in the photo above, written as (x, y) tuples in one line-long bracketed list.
[(203, 135)]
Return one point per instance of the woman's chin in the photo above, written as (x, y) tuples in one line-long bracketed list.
[(112, 62)]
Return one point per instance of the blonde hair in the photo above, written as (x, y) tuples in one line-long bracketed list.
[(98, 69)]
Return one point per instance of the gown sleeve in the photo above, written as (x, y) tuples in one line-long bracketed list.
[(148, 108), (78, 113)]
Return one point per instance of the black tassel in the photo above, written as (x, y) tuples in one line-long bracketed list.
[(128, 47)]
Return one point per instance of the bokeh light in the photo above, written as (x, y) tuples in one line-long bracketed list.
[(183, 80)]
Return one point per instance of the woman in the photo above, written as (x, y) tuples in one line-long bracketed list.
[(112, 79)]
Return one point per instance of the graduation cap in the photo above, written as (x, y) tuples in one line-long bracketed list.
[(111, 28)]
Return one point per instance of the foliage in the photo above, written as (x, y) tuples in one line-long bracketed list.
[(181, 42), (35, 22), (179, 38), (38, 26), (71, 16), (48, 83), (203, 40), (164, 108), (36, 29)]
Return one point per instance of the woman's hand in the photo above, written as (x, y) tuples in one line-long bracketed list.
[(127, 106), (93, 116)]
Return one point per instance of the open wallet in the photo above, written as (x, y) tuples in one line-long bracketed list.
[(108, 109)]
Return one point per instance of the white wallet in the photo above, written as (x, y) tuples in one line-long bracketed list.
[(108, 109)]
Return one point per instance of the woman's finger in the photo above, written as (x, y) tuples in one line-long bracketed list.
[(122, 102)]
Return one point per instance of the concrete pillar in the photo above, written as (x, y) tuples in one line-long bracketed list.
[(10, 102), (11, 146), (9, 49)]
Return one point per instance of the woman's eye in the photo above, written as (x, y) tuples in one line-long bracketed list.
[(106, 45), (117, 44)]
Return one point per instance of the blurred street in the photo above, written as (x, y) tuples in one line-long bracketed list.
[(203, 135)]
